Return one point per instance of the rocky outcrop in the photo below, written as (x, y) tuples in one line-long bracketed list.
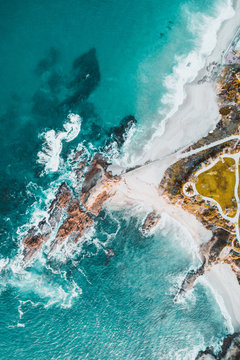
[(35, 239), (109, 254), (119, 133), (98, 185), (150, 222), (190, 279), (75, 225), (69, 217), (37, 236), (59, 204), (210, 254), (230, 350), (95, 207), (92, 176)]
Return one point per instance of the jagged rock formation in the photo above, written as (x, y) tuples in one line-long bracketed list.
[(71, 217), (119, 133), (150, 222), (35, 239), (210, 253), (73, 228), (230, 350), (38, 236)]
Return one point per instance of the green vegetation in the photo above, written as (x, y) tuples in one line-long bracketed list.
[(218, 184)]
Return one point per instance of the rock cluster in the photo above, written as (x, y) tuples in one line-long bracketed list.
[(69, 216), (150, 222), (230, 350)]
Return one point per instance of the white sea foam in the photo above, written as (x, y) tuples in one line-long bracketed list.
[(3, 263), (185, 353), (46, 287), (205, 29), (52, 147), (144, 145), (220, 301)]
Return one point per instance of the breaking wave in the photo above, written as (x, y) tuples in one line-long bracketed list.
[(204, 28), (49, 157)]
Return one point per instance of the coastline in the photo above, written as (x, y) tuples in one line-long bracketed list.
[(194, 119), (226, 290), (70, 216), (197, 114), (112, 258), (138, 191)]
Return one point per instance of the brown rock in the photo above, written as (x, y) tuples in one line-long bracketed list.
[(95, 173), (74, 227), (35, 239), (78, 220), (62, 197), (96, 206), (150, 222), (59, 204)]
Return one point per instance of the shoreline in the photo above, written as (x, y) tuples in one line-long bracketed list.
[(71, 215), (226, 290), (195, 106), (195, 118)]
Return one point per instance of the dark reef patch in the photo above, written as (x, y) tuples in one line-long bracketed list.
[(85, 77), (59, 94), (45, 64)]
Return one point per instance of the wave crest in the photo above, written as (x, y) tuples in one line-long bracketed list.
[(49, 156)]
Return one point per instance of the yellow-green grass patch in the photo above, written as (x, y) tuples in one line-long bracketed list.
[(218, 184)]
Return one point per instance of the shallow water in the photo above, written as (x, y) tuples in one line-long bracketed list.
[(103, 60)]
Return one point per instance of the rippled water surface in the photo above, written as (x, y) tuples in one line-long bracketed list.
[(86, 306)]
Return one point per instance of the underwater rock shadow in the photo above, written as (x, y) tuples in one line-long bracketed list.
[(50, 60), (85, 77), (59, 94)]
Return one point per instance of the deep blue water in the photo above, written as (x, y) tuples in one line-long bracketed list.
[(84, 307)]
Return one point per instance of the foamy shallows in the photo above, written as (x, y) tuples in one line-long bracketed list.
[(53, 142), (109, 60), (204, 28)]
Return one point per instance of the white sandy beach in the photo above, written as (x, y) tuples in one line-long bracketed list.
[(197, 115), (224, 283)]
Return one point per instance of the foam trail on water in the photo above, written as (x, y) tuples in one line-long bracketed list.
[(205, 29), (51, 288), (187, 68), (52, 147)]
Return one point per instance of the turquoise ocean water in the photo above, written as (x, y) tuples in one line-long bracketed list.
[(82, 306)]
